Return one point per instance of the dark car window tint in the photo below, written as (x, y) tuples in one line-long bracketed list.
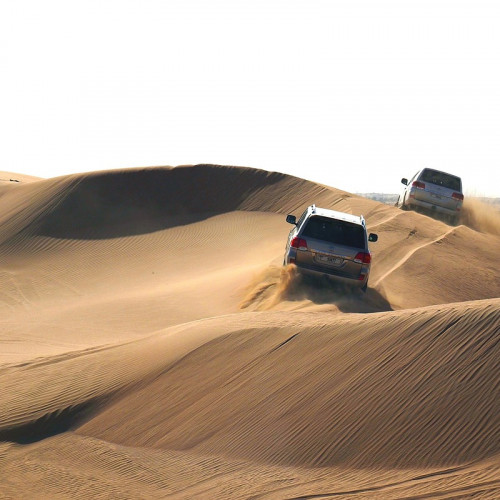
[(441, 179), (335, 231), (302, 217)]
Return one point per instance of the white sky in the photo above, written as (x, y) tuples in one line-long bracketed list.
[(354, 94)]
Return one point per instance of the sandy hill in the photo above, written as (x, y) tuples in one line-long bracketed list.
[(153, 346)]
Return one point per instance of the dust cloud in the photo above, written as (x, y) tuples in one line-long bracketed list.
[(271, 286), (280, 287), (481, 216)]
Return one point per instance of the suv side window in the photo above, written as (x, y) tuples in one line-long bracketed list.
[(302, 217), (412, 179)]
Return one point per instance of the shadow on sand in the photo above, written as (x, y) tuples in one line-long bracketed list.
[(52, 423), (129, 202)]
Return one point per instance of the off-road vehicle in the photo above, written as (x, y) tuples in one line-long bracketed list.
[(333, 244), (433, 192)]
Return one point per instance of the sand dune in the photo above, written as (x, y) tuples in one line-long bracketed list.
[(153, 346)]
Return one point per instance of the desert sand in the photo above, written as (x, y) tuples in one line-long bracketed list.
[(153, 346)]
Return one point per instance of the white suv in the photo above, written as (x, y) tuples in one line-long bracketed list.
[(332, 244), (433, 192)]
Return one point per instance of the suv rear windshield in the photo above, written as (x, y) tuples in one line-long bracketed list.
[(335, 231), (441, 179)]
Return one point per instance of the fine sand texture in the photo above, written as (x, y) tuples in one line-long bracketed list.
[(153, 345)]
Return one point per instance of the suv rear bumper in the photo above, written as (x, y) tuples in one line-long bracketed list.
[(430, 207), (334, 276)]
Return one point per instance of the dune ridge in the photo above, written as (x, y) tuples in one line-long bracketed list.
[(114, 203), (153, 346), (306, 392)]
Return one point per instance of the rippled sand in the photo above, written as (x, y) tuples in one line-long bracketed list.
[(153, 346)]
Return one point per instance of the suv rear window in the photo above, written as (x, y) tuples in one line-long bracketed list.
[(441, 179), (335, 231)]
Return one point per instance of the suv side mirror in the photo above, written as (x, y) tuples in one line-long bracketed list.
[(372, 237), (404, 181), (291, 219)]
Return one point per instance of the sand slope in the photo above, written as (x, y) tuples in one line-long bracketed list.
[(153, 346)]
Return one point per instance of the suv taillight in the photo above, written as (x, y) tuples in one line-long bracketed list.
[(299, 243), (418, 184), (363, 258), (458, 196)]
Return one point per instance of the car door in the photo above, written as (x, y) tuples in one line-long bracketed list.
[(405, 193)]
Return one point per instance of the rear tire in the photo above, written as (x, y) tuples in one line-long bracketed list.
[(401, 203), (364, 288)]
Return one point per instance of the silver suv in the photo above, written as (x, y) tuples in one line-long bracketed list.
[(327, 243), (433, 192)]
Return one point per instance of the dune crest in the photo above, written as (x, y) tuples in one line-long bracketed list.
[(301, 391)]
